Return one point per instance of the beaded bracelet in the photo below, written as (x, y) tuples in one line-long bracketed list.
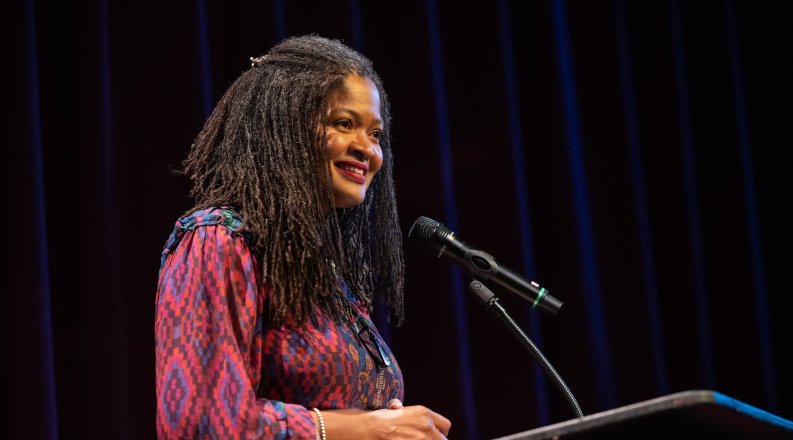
[(321, 433)]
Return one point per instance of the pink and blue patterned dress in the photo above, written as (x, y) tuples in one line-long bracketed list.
[(223, 372)]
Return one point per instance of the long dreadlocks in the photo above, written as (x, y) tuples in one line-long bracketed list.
[(262, 150)]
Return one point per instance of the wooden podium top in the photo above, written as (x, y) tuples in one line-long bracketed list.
[(698, 414)]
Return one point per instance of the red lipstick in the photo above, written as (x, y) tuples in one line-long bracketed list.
[(349, 169)]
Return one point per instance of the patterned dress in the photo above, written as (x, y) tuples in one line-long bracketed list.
[(223, 372)]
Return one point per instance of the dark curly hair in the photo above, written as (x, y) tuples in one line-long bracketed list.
[(262, 151)]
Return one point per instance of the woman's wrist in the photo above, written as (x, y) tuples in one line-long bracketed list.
[(343, 423), (320, 424)]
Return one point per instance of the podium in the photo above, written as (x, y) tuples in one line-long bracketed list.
[(698, 414)]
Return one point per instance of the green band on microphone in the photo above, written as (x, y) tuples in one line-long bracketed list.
[(539, 297)]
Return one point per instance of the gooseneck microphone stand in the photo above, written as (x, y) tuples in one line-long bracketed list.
[(490, 301)]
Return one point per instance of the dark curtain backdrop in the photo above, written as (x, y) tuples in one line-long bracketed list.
[(626, 154)]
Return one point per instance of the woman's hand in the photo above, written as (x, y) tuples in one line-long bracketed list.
[(396, 422), (412, 422), (394, 404)]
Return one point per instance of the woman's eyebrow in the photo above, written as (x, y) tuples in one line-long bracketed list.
[(355, 114)]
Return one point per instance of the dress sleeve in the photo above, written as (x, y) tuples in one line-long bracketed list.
[(208, 345)]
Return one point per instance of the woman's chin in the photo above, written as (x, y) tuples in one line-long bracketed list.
[(348, 200)]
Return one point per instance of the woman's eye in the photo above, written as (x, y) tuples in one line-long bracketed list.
[(376, 134), (343, 123)]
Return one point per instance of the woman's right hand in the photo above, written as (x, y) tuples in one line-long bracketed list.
[(394, 423), (411, 422)]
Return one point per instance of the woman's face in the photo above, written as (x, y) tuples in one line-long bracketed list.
[(353, 129)]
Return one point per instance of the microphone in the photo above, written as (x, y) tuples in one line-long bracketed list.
[(436, 239)]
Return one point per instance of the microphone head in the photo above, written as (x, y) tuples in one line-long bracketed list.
[(429, 235)]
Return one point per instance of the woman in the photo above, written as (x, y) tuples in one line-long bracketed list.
[(262, 316)]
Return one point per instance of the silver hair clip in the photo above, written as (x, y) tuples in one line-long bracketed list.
[(258, 61)]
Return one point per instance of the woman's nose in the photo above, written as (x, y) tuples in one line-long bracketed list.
[(361, 145)]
